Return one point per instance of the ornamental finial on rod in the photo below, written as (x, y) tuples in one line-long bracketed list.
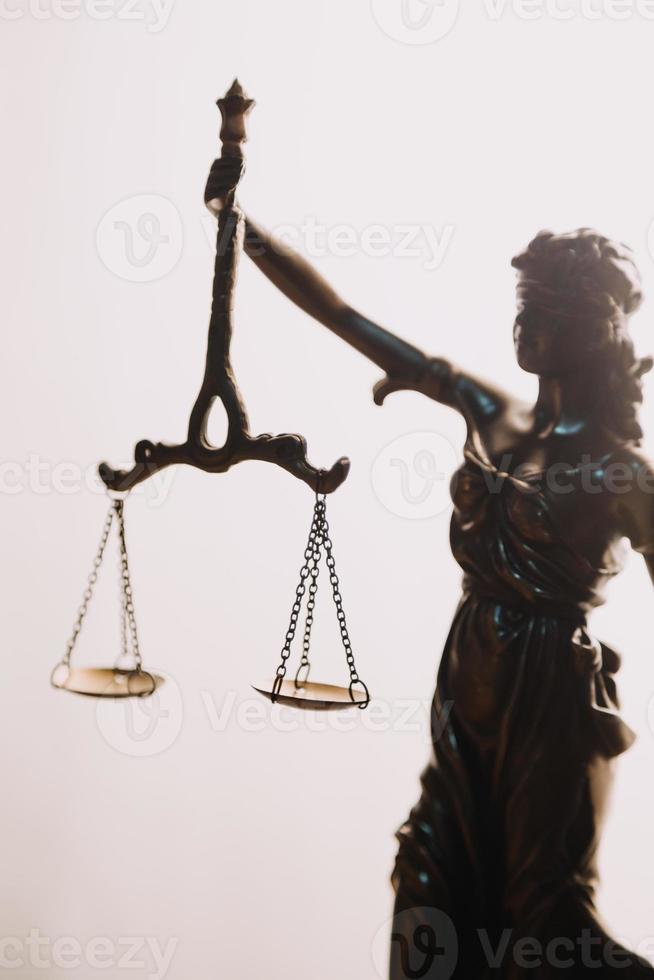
[(234, 109)]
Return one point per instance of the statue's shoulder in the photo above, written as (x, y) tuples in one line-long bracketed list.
[(630, 476)]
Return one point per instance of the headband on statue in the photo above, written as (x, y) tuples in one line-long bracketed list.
[(581, 276)]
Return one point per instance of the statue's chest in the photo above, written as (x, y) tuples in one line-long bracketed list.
[(560, 505)]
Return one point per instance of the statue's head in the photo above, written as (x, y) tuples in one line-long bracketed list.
[(575, 294)]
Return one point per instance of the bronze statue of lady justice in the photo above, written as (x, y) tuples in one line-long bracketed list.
[(505, 834), (502, 844)]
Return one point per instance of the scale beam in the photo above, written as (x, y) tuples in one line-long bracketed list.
[(287, 450)]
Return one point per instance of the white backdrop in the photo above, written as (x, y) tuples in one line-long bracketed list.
[(221, 837)]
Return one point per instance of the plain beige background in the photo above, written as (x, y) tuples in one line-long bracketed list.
[(250, 844)]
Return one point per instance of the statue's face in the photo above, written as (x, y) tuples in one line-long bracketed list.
[(549, 345)]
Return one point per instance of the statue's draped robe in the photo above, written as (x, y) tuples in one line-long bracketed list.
[(505, 834)]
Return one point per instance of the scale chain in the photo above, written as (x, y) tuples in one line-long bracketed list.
[(319, 539), (314, 570), (340, 613), (129, 618), (129, 634), (88, 592), (124, 626), (300, 591)]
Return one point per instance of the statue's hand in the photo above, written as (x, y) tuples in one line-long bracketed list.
[(223, 177)]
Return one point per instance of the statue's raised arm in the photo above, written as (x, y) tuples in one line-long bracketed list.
[(405, 366)]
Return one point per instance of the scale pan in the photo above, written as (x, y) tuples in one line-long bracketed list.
[(105, 682), (313, 697)]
